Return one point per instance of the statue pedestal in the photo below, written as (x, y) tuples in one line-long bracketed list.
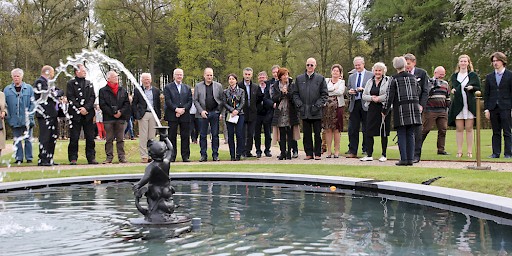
[(177, 219)]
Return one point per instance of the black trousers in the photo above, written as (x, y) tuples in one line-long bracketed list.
[(77, 124), (194, 128), (501, 121), (418, 141), (184, 137), (48, 133), (249, 135), (357, 117), (308, 127), (285, 139), (265, 122)]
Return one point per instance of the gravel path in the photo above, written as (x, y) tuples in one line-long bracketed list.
[(502, 167)]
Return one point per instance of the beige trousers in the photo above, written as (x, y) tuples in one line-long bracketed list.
[(147, 131)]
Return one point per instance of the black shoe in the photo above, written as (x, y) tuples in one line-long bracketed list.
[(233, 159), (186, 160), (289, 156), (268, 154), (237, 158), (416, 160), (258, 155), (444, 153), (216, 159), (410, 162), (295, 155), (494, 156), (29, 161), (402, 163), (282, 157), (44, 164), (18, 161), (203, 159), (91, 162)]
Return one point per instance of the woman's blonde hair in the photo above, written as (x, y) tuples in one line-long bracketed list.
[(470, 66)]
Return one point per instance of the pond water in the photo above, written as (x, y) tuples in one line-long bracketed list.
[(239, 219)]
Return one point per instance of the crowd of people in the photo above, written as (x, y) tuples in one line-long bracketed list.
[(279, 107)]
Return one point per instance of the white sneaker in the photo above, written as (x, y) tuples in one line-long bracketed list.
[(366, 158), (383, 159)]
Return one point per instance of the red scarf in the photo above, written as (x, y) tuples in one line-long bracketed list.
[(113, 87)]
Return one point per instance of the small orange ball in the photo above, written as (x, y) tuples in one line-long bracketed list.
[(333, 188)]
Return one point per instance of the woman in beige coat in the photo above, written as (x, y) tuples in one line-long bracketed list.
[(3, 113)]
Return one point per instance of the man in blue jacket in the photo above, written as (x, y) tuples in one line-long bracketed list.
[(18, 97)]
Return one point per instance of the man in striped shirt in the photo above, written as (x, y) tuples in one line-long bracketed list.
[(436, 111)]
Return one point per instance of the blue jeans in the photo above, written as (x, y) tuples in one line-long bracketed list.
[(213, 121), (406, 142), (19, 132), (129, 128), (237, 128)]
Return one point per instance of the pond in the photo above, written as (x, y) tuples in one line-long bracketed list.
[(239, 219)]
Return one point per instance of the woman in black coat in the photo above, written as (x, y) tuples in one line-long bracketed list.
[(285, 114), (403, 96), (234, 101)]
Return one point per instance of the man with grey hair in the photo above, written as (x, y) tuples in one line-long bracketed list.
[(436, 110), (422, 78), (115, 106), (356, 84), (47, 97), (253, 97), (142, 112), (81, 97), (178, 101), (18, 97), (264, 117), (309, 95)]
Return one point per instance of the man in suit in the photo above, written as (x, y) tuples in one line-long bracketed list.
[(47, 97), (422, 78), (208, 100), (253, 96), (81, 97), (142, 113), (264, 117), (309, 95), (356, 84), (178, 101), (497, 104)]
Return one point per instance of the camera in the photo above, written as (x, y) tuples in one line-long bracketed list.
[(433, 84), (115, 109)]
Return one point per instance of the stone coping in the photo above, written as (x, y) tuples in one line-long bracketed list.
[(476, 204)]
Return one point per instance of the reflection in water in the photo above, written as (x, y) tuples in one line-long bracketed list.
[(240, 219)]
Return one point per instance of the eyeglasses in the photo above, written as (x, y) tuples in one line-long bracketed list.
[(310, 65)]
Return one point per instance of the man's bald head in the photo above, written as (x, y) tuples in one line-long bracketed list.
[(439, 72)]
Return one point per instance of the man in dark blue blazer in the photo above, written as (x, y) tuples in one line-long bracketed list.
[(422, 78), (253, 96), (498, 105), (265, 110), (178, 101)]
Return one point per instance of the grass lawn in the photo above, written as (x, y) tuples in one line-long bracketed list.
[(497, 183)]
